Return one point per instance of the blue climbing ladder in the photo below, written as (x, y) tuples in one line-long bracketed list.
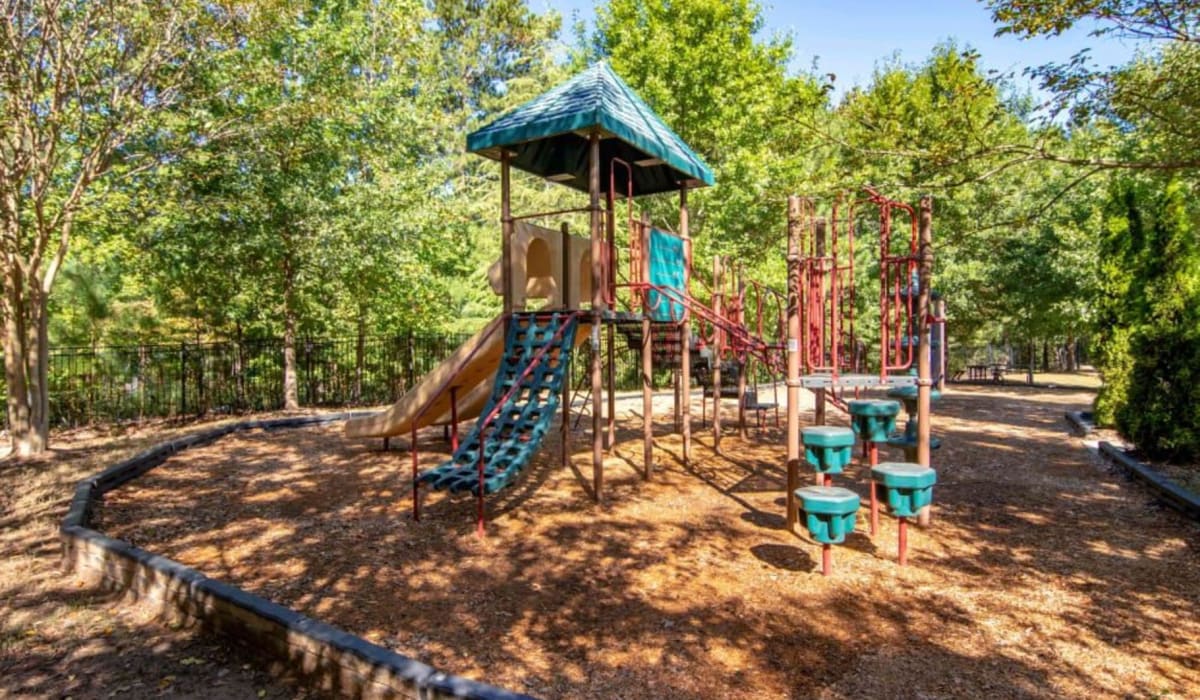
[(525, 396)]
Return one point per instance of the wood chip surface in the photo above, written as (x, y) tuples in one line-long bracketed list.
[(1043, 575)]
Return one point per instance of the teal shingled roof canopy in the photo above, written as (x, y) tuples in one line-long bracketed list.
[(548, 136)]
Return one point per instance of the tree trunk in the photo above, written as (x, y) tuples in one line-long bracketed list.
[(291, 390), (25, 440), (26, 359), (39, 367), (1070, 354)]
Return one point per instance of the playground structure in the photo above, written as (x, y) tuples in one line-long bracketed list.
[(593, 134)]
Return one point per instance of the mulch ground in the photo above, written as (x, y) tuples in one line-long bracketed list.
[(62, 639), (1044, 574)]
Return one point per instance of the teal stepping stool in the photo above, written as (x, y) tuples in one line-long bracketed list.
[(907, 489), (908, 439), (873, 420), (829, 514), (828, 448)]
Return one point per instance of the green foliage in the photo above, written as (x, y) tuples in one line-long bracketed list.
[(1149, 320), (1161, 414), (308, 172), (700, 65)]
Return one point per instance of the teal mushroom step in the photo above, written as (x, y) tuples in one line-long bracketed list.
[(907, 487), (827, 448), (829, 512), (910, 392), (873, 419), (910, 441)]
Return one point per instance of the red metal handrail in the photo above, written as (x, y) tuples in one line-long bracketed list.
[(756, 346), (895, 277)]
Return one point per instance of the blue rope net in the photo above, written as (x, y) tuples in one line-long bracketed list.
[(516, 432)]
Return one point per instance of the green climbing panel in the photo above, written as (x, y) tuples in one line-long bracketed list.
[(516, 432)]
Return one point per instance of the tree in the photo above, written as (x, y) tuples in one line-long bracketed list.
[(91, 89), (1149, 327), (1155, 100), (251, 232), (701, 66)]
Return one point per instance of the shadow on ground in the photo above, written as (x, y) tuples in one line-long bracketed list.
[(1043, 575)]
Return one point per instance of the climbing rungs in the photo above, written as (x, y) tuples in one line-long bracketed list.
[(531, 393)]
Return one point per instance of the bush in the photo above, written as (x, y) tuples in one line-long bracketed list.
[(1161, 411), (1149, 319), (1116, 366)]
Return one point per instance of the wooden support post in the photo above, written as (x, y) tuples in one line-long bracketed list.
[(717, 350), (685, 331), (744, 363), (678, 408), (647, 355), (793, 358), (610, 377), (564, 293), (506, 226), (924, 382), (941, 361), (454, 419), (819, 243), (597, 312)]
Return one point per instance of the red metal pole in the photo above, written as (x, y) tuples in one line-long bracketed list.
[(873, 451), (479, 499), (826, 559), (598, 283), (453, 419), (416, 485), (795, 339), (903, 541)]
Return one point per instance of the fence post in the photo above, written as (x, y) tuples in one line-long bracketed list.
[(411, 363), (183, 379)]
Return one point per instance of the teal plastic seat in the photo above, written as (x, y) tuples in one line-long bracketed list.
[(873, 419), (907, 487), (828, 448), (829, 512)]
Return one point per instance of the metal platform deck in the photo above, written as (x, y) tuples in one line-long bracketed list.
[(828, 381)]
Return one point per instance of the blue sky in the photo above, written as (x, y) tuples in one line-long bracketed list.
[(847, 38)]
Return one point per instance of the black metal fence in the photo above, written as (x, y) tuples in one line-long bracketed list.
[(129, 383), (109, 384)]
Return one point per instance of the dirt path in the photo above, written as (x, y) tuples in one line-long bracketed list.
[(60, 639), (1044, 575)]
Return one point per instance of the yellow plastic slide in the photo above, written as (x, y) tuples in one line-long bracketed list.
[(470, 369), (537, 273)]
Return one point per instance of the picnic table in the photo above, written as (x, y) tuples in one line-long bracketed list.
[(982, 373)]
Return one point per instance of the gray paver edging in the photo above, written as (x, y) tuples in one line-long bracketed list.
[(322, 654), (1081, 422), (1175, 496)]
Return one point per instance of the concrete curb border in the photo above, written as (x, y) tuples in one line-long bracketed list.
[(1081, 422), (323, 655), (1175, 496)]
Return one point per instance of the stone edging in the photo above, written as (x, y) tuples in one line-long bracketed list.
[(1174, 495), (1081, 422), (322, 654)]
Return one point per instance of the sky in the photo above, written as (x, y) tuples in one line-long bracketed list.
[(848, 37)]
